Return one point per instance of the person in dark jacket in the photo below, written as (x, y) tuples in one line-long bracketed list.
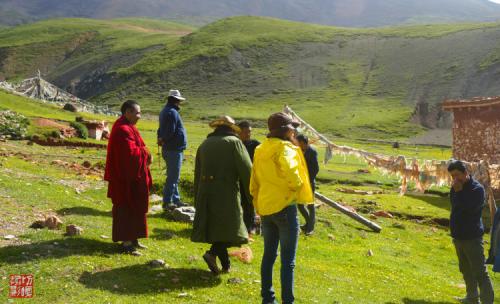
[(250, 144), (222, 167), (311, 156), (173, 141), (467, 198), (246, 138)]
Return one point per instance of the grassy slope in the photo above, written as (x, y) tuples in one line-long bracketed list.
[(412, 263), (68, 43), (353, 82)]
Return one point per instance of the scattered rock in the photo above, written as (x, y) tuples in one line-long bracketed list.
[(53, 222), (155, 198), (184, 214), (9, 237), (183, 295), (331, 237), (156, 208), (370, 253), (235, 281), (157, 263), (104, 237), (383, 213), (72, 230)]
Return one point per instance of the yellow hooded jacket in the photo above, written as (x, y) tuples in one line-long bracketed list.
[(279, 177)]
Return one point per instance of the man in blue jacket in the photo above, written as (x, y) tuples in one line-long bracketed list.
[(311, 156), (173, 141), (467, 201)]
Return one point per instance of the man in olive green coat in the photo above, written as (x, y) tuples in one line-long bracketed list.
[(222, 163)]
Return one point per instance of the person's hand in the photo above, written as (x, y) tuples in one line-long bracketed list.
[(457, 186), (160, 142)]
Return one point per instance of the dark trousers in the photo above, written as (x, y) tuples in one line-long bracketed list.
[(472, 265), (309, 214), (220, 250), (248, 214)]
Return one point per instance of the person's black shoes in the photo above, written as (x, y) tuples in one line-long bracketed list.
[(211, 261), (129, 248)]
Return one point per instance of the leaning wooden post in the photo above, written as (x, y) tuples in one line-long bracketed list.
[(348, 212)]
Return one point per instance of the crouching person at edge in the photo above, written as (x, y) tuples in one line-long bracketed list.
[(222, 164), (278, 183), (127, 171)]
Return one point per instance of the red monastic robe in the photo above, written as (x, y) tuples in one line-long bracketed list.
[(129, 181)]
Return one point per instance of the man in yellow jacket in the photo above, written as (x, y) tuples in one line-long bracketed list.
[(278, 183)]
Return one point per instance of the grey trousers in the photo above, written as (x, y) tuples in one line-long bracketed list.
[(472, 265)]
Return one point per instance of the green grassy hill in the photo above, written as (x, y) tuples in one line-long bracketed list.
[(363, 83), (70, 51)]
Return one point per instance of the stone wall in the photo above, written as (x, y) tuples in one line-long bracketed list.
[(476, 134)]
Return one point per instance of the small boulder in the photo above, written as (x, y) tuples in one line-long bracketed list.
[(235, 281), (53, 222), (157, 263), (184, 214), (72, 230)]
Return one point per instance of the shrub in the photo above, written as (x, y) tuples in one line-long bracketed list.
[(53, 134), (81, 129)]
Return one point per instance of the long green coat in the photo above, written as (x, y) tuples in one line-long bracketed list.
[(222, 162)]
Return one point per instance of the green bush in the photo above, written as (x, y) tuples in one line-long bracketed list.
[(53, 134), (81, 129)]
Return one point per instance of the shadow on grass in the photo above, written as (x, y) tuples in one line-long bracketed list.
[(414, 301), (143, 279), (83, 211), (167, 234), (56, 249), (434, 200)]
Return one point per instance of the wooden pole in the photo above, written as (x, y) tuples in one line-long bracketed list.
[(348, 212)]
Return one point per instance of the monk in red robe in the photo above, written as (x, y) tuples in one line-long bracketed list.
[(127, 171)]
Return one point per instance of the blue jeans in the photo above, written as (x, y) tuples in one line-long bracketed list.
[(281, 229), (171, 188)]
